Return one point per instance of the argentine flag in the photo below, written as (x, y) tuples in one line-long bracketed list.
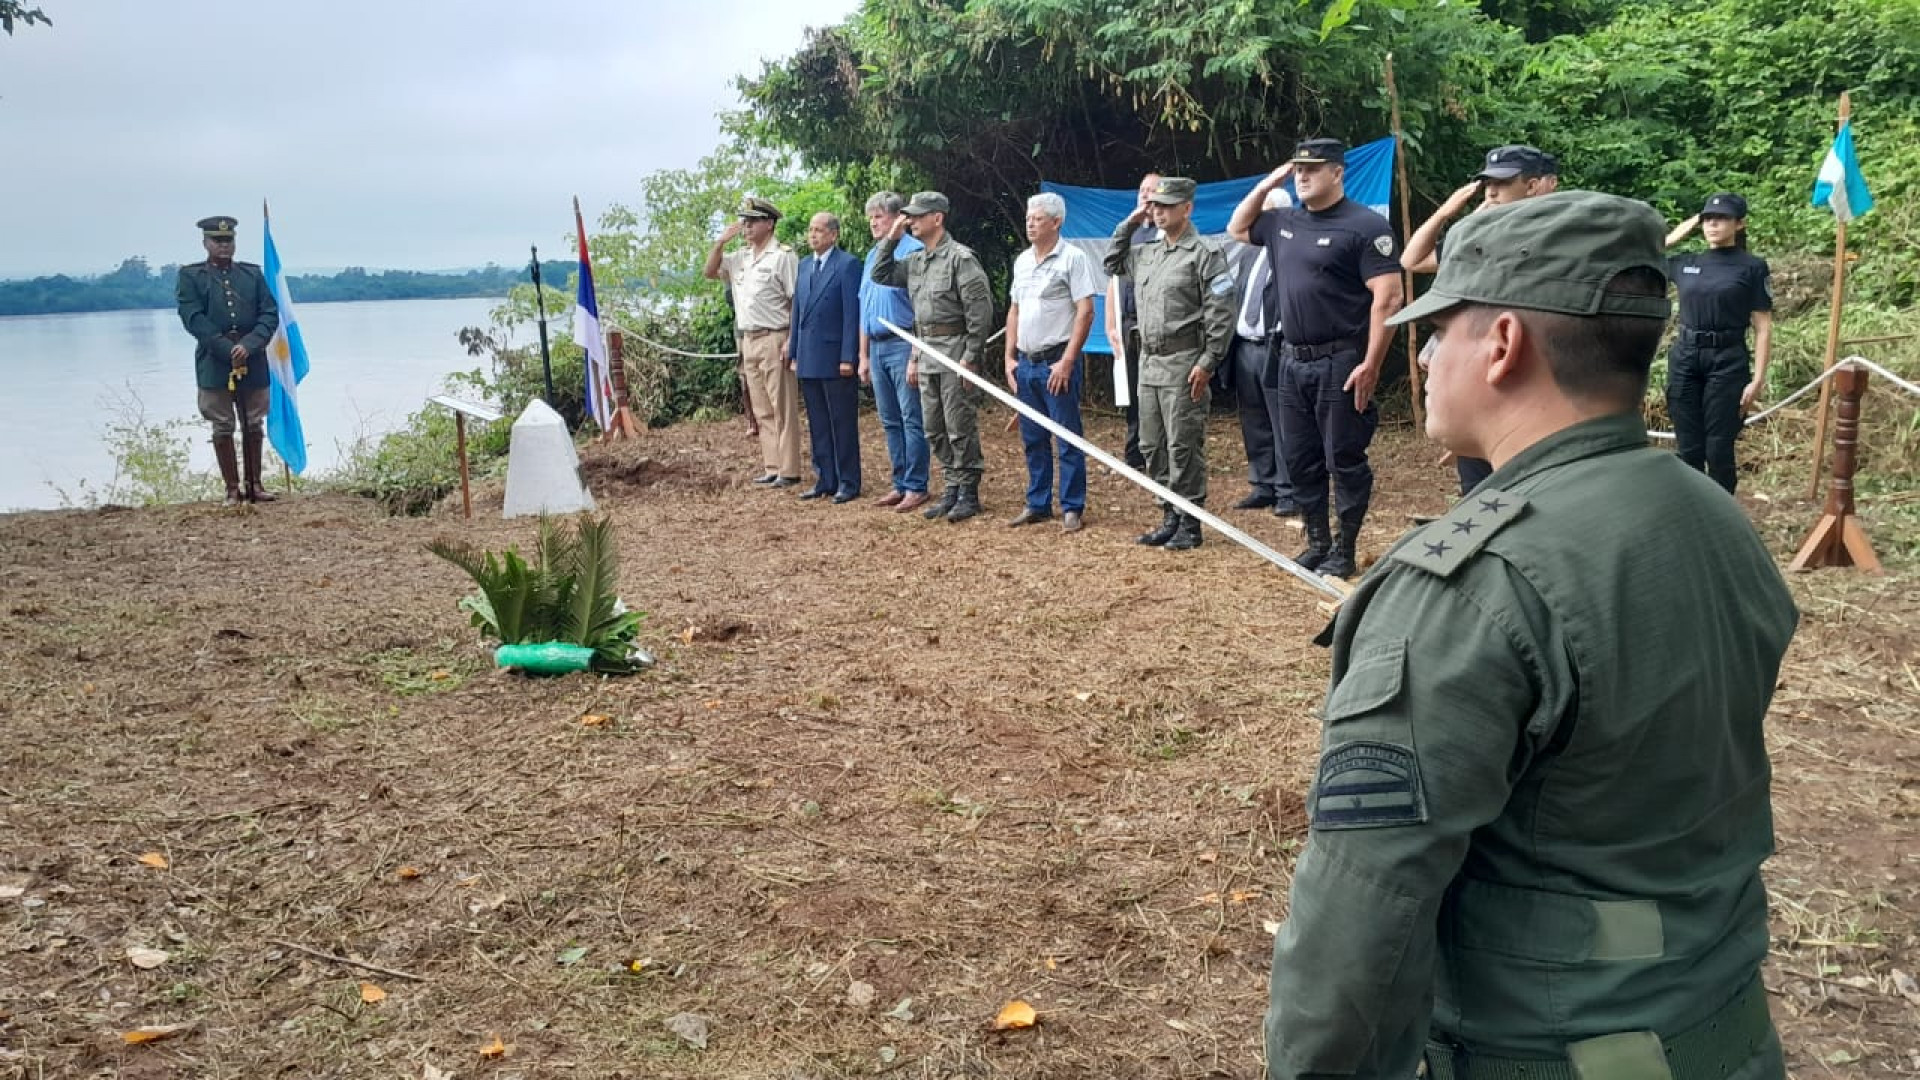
[(286, 362), (1840, 187), (586, 332)]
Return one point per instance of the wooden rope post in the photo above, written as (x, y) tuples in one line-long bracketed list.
[(1833, 323), (1406, 276), (460, 443), (622, 425), (1838, 540)]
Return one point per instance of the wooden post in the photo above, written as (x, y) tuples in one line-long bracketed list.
[(1838, 540), (1406, 276), (1833, 326), (622, 425), (460, 440)]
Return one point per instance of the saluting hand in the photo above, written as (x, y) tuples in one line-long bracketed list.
[(1279, 175), (899, 227), (727, 234), (1463, 195), (1361, 383)]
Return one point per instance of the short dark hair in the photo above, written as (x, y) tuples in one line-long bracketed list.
[(1596, 358)]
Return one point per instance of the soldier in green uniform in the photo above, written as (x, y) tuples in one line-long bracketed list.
[(1542, 797), (952, 310), (1184, 293), (229, 310)]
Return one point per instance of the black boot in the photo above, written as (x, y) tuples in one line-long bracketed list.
[(251, 454), (229, 467), (943, 504), (1340, 563), (967, 505), (1187, 536), (1319, 539), (1169, 524)]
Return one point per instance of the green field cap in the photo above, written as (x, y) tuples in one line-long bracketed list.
[(926, 202), (1172, 191), (1553, 252)]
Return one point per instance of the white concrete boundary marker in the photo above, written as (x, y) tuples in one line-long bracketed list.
[(543, 468)]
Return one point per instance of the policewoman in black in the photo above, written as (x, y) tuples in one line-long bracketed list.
[(1710, 381)]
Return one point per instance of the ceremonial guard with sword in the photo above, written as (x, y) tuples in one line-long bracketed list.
[(229, 309)]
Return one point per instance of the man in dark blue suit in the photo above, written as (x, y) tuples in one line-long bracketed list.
[(824, 350)]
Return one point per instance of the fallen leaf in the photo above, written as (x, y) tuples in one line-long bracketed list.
[(1841, 1057), (442, 675), (495, 1048), (469, 881), (1051, 964), (9, 892), (1271, 926), (570, 957), (371, 994), (1084, 696), (86, 688), (146, 959), (1182, 1026), (428, 1072), (1241, 896), (407, 873), (902, 1012), (156, 1032), (155, 860), (860, 994), (691, 1027), (595, 720), (1015, 1014), (713, 704), (1208, 856), (1908, 988), (687, 635)]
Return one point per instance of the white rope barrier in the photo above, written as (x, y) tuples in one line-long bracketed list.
[(1314, 580), (1814, 385)]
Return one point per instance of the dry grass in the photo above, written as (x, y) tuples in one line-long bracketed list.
[(887, 776)]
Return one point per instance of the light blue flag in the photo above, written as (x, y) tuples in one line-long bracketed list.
[(287, 363), (1840, 187)]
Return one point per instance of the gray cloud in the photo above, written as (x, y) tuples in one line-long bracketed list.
[(413, 133)]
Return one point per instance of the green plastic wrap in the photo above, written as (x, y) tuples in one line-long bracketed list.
[(544, 657)]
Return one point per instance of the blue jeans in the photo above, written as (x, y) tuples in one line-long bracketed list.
[(1064, 409), (899, 407)]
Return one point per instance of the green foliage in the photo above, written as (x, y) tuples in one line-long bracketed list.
[(568, 593), (135, 285), (150, 461), (12, 11), (408, 470)]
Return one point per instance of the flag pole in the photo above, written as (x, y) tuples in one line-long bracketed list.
[(1406, 224), (540, 298), (1833, 326)]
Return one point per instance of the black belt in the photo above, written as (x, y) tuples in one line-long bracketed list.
[(1260, 341), (1305, 353), (944, 330), (1045, 356), (1184, 341), (1711, 339), (882, 335)]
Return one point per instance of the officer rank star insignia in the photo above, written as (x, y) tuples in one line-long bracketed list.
[(1443, 545)]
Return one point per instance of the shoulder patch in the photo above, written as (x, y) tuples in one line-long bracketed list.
[(1368, 785), (1444, 545), (1221, 285), (1384, 244)]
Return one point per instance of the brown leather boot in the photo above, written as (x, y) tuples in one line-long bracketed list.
[(229, 468), (252, 449)]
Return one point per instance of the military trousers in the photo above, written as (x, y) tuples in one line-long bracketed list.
[(776, 399), (1173, 437), (1704, 385), (1133, 456), (222, 408), (949, 410), (1259, 402), (1323, 435)]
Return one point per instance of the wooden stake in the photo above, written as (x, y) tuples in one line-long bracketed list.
[(460, 443), (1833, 327), (1406, 224), (622, 424), (1838, 539)]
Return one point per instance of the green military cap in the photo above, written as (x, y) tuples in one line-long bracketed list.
[(1555, 253), (1172, 191), (926, 202), (753, 206), (218, 228)]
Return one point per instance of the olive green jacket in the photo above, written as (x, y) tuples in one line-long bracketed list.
[(947, 288), (1542, 799), (1184, 295), (221, 307)]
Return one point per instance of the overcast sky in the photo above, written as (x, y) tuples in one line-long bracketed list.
[(412, 134)]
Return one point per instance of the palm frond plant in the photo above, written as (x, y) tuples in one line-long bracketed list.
[(567, 594)]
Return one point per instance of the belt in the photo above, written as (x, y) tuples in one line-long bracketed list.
[(1711, 339), (1261, 340), (944, 329), (1714, 1047), (1182, 342), (1045, 356), (1306, 353), (762, 331)]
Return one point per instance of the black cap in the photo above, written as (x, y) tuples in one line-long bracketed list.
[(217, 228), (1725, 204), (1320, 151), (1507, 162)]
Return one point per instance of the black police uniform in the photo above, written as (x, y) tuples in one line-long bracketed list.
[(1130, 329), (1322, 261), (1710, 366)]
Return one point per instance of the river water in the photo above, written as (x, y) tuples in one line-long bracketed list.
[(71, 376)]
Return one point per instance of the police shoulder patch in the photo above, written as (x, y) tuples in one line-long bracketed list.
[(1368, 785), (1445, 544), (1384, 244), (1221, 285)]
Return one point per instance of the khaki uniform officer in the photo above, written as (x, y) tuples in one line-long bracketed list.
[(952, 310), (1184, 294), (1542, 797), (229, 310), (761, 276)]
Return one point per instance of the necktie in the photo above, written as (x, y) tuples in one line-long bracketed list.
[(1253, 308)]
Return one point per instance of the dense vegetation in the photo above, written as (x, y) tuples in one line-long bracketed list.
[(134, 284)]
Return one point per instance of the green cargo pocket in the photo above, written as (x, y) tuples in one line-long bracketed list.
[(1369, 775)]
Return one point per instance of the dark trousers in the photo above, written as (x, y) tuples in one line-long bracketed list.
[(1134, 457), (1703, 400), (1031, 375), (1322, 434), (833, 406), (1259, 403)]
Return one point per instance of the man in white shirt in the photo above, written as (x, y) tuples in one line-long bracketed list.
[(1047, 325)]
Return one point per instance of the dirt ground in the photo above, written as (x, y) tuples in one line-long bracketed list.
[(887, 777)]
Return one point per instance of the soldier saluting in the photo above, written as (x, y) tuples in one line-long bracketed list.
[(229, 310)]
